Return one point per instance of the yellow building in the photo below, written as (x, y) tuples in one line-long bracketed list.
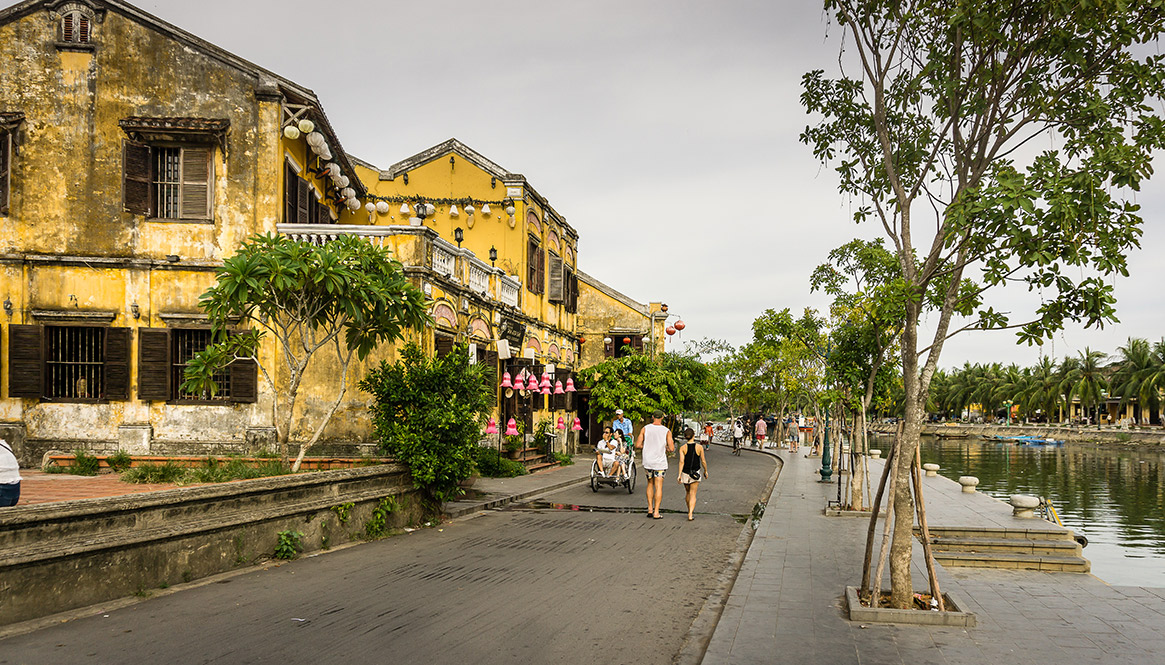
[(135, 157)]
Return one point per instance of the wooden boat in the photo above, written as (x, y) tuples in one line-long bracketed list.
[(952, 435)]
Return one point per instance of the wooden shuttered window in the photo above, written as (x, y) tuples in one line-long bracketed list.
[(556, 289), (153, 365), (137, 178), (117, 348), (244, 381), (490, 360), (196, 184), (290, 194), (5, 169), (442, 345), (25, 362), (300, 205), (535, 266), (75, 28)]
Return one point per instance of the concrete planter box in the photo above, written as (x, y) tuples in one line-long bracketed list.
[(191, 461), (952, 617)]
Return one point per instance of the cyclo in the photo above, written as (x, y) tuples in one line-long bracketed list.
[(625, 475)]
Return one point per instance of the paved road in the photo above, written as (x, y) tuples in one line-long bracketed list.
[(533, 585)]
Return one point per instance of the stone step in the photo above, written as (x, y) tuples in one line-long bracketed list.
[(539, 466), (1068, 564), (1052, 532), (1014, 545)]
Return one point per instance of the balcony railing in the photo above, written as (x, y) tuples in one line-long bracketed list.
[(508, 290), (478, 279), (444, 262)]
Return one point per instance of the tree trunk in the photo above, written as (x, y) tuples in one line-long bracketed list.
[(858, 473), (901, 586)]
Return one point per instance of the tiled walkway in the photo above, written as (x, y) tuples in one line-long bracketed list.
[(41, 487), (786, 605)]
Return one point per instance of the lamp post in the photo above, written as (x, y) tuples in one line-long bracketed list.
[(826, 455), (458, 235)]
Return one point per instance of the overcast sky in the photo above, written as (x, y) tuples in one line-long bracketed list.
[(665, 131)]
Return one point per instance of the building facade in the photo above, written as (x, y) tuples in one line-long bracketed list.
[(135, 157)]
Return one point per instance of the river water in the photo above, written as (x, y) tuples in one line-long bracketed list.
[(1114, 497)]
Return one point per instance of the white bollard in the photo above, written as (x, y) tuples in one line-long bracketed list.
[(931, 469), (968, 483), (1024, 505), (875, 453)]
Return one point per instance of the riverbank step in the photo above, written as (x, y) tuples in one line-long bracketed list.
[(1066, 564), (1025, 549)]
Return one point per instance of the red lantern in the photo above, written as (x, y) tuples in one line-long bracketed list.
[(582, 340), (626, 340), (680, 325), (670, 331)]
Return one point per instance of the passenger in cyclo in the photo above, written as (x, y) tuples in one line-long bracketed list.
[(606, 454)]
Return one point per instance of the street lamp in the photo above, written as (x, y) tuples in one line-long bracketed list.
[(826, 454)]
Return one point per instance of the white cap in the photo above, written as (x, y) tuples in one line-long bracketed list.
[(618, 412)]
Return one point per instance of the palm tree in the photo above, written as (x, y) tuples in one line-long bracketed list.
[(1134, 361), (1064, 382), (1152, 383), (1088, 382), (1042, 391)]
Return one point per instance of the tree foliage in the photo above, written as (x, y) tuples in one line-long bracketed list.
[(428, 413), (346, 295), (639, 384), (993, 141)]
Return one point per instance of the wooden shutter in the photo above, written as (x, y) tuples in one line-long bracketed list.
[(637, 343), (290, 193), (153, 364), (573, 293), (117, 345), (5, 148), (532, 265), (67, 29), (540, 282), (490, 360), (25, 362), (556, 279), (302, 201), (442, 346), (244, 381), (196, 183), (82, 30), (137, 175)]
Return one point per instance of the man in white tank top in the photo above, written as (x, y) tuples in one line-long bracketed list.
[(656, 442)]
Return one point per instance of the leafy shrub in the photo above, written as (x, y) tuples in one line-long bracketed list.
[(119, 461), (84, 464), (564, 459), (289, 545), (428, 414), (154, 473), (490, 465)]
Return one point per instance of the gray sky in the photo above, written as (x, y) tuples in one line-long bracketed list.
[(665, 131)]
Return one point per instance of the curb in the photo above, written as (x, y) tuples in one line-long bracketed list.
[(704, 625), (458, 509)]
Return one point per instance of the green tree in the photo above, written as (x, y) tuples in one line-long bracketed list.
[(1137, 378), (428, 413), (1088, 382), (993, 140), (347, 296)]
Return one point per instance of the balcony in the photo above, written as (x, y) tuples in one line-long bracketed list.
[(411, 246)]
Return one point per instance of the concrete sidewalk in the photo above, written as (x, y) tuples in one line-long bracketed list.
[(786, 605)]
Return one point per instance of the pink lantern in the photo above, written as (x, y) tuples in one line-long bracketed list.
[(533, 384), (506, 383), (512, 428), (577, 425), (545, 380), (561, 423), (545, 390), (491, 427), (680, 325), (558, 388), (670, 331), (570, 385)]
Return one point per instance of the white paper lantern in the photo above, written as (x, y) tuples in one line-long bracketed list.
[(291, 132), (510, 210), (382, 207), (315, 139), (469, 210), (347, 193), (353, 204), (370, 207), (485, 209), (343, 181), (324, 152), (404, 209), (333, 169), (453, 211), (307, 126)]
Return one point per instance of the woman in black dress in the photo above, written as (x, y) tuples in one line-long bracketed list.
[(691, 460)]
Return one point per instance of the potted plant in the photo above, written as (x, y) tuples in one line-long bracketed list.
[(515, 443)]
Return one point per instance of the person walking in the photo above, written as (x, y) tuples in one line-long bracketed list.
[(691, 459), (656, 442), (9, 476), (794, 435), (761, 430)]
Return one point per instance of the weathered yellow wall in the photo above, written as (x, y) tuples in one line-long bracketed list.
[(603, 314)]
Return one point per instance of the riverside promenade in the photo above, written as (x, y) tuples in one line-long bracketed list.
[(786, 605)]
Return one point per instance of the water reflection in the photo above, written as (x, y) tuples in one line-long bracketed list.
[(1114, 497)]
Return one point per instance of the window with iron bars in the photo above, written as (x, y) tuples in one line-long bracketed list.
[(187, 342), (74, 362)]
